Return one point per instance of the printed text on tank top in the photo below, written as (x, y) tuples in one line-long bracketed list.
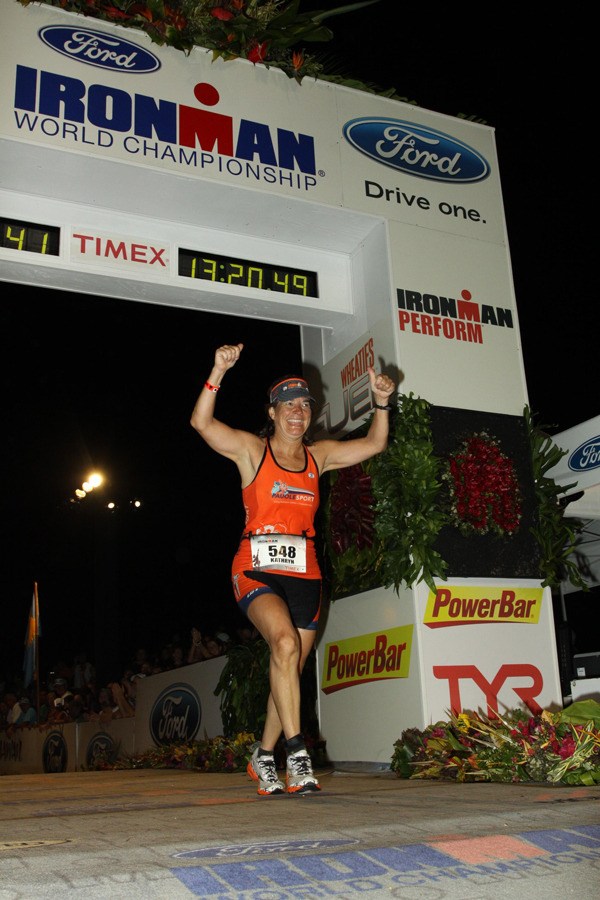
[(280, 506)]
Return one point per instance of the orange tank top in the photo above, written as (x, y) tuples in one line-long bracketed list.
[(280, 501)]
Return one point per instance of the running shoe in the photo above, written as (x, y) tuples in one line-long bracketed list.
[(299, 775), (263, 770)]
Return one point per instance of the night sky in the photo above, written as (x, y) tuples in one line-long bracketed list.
[(90, 382)]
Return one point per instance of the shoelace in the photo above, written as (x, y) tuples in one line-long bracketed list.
[(300, 765), (268, 770)]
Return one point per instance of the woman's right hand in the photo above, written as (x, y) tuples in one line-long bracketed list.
[(227, 356)]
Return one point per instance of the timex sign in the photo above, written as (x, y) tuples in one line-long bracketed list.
[(98, 249)]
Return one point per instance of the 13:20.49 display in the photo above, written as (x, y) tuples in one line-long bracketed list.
[(247, 273)]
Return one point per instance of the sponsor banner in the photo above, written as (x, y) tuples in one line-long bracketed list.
[(470, 605), (378, 656), (176, 714), (498, 666), (490, 669), (457, 322), (87, 87), (536, 862), (418, 167), (169, 710), (55, 751), (361, 722), (580, 466), (348, 397), (117, 251), (70, 747)]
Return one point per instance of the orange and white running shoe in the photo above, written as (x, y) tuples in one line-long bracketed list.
[(299, 775), (263, 770)]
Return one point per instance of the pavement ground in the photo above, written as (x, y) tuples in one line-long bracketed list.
[(151, 833)]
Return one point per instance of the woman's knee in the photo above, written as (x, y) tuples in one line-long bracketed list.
[(285, 647)]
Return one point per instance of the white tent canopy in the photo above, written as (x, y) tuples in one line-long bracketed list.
[(579, 473)]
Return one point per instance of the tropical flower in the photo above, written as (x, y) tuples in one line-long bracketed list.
[(217, 754), (258, 52), (219, 12), (559, 748), (297, 60), (263, 31), (483, 487), (352, 513)]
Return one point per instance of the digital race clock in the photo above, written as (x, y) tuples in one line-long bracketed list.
[(29, 236), (247, 273)]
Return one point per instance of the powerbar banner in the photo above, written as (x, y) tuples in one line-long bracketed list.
[(378, 656), (474, 605)]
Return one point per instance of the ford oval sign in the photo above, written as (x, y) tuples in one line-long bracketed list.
[(416, 150), (96, 48), (54, 753), (176, 714), (586, 456)]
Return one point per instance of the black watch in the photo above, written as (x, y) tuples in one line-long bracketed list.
[(386, 407)]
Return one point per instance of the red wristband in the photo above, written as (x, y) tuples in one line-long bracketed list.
[(212, 387)]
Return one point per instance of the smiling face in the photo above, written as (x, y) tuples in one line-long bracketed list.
[(292, 417)]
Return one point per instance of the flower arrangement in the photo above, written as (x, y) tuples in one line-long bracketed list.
[(483, 487), (352, 514), (558, 748), (269, 32), (217, 754), (416, 494)]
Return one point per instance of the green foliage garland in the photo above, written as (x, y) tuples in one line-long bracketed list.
[(244, 688), (262, 31), (405, 482), (406, 485), (410, 508), (556, 535)]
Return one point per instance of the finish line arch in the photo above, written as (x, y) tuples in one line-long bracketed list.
[(374, 226)]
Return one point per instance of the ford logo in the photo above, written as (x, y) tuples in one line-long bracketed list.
[(586, 456), (96, 48), (101, 748), (176, 715), (415, 150), (54, 753)]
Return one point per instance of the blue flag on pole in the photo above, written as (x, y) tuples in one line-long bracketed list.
[(31, 641)]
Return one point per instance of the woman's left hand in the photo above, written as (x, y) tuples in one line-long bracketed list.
[(382, 385)]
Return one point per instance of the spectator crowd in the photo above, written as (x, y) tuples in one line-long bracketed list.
[(71, 692)]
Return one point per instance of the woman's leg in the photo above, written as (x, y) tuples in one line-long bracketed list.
[(289, 648)]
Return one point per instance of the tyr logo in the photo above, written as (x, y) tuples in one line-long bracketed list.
[(531, 684)]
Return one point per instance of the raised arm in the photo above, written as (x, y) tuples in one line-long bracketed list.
[(331, 454), (230, 442)]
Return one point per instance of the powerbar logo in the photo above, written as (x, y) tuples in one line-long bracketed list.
[(456, 320), (66, 109), (476, 605), (378, 656)]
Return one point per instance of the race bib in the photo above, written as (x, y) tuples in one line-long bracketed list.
[(285, 552)]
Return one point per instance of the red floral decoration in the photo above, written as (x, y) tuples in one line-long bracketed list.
[(219, 12), (258, 52), (352, 512), (484, 490)]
